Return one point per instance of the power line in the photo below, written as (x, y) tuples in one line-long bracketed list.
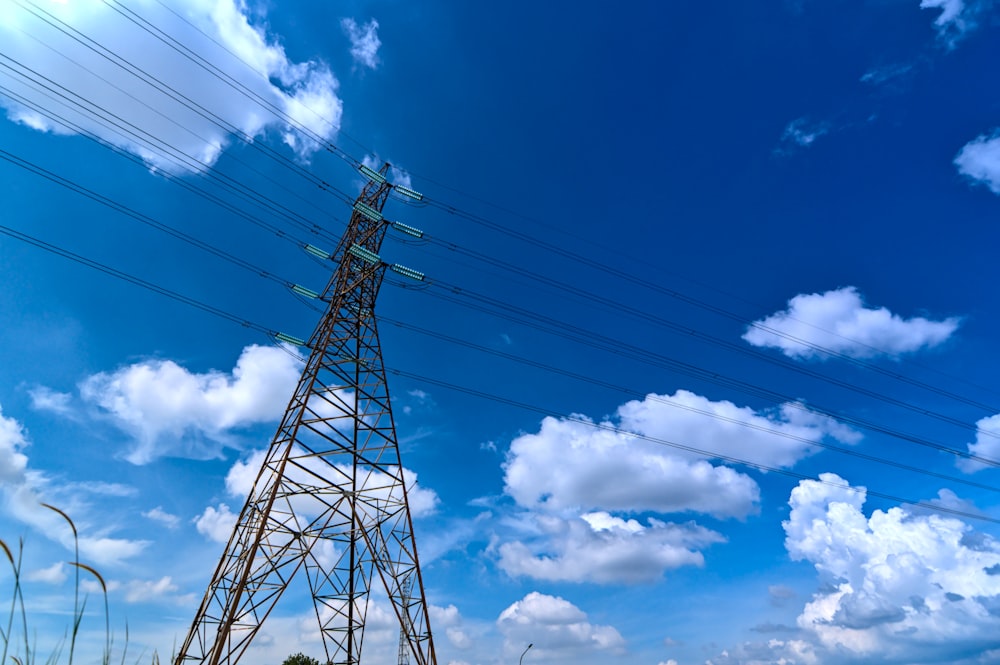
[(605, 427), (171, 92), (691, 332), (473, 392), (655, 359), (137, 281), (230, 257), (145, 219), (121, 127), (242, 89), (685, 407)]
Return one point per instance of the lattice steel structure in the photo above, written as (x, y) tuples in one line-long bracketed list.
[(330, 496)]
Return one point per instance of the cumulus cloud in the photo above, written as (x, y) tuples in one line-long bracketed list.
[(979, 160), (838, 321), (169, 410), (449, 619), (568, 464), (896, 586), (230, 97), (364, 41), (577, 485), (556, 627), (216, 524), (987, 444), (307, 472), (601, 548)]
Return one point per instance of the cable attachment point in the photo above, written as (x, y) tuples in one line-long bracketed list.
[(406, 191), (359, 252), (367, 211), (316, 251), (407, 272), (407, 229), (282, 337), (303, 291), (372, 174)]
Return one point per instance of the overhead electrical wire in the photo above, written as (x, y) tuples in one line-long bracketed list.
[(623, 349), (453, 210), (255, 269), (606, 427), (264, 273), (311, 227), (169, 91), (137, 281), (121, 127), (242, 89), (692, 332), (590, 295), (145, 219), (818, 443)]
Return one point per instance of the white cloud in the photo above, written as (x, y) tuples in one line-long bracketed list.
[(305, 92), (886, 73), (144, 591), (772, 652), (216, 524), (364, 41), (895, 586), (570, 478), (102, 488), (600, 548), (22, 492), (956, 18), (987, 444), (569, 464), (140, 591), (54, 574), (240, 479), (979, 160), (163, 517), (838, 321), (170, 410), (397, 176), (450, 621), (803, 133), (12, 461), (46, 399), (556, 627)]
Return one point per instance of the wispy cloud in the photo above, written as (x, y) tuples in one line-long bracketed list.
[(956, 18), (881, 75), (365, 43), (801, 133)]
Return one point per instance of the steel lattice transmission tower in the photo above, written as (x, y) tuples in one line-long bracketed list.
[(329, 502)]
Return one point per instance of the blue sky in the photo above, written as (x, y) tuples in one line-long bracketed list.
[(723, 272)]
